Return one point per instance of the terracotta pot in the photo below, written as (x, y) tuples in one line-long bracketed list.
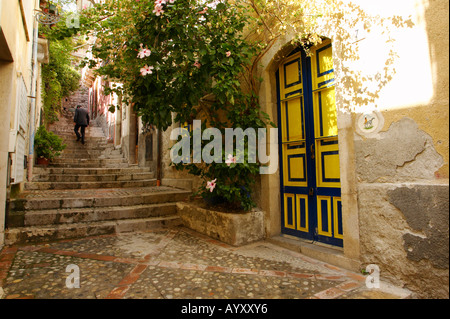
[(42, 161)]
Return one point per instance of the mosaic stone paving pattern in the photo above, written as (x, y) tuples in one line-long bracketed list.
[(174, 263)]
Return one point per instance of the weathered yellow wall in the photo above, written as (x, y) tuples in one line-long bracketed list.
[(19, 47), (432, 116)]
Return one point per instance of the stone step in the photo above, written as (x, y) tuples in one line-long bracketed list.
[(89, 144), (95, 154), (98, 162), (88, 154), (88, 215), (69, 135), (69, 129), (93, 177), (90, 171), (69, 125), (77, 152), (85, 198), (89, 165), (74, 152), (88, 158), (86, 148), (39, 234), (88, 185)]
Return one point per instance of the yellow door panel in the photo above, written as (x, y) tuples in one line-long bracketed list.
[(292, 73), (289, 211), (322, 66), (291, 82), (337, 218), (324, 226), (302, 213), (325, 117), (327, 163), (294, 165), (293, 120)]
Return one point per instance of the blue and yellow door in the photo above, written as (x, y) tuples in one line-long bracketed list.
[(310, 175)]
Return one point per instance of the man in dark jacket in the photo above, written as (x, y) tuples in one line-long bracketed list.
[(81, 120)]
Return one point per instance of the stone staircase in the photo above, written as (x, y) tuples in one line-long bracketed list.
[(89, 190)]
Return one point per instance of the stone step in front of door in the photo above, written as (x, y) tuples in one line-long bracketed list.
[(39, 234), (87, 215), (85, 198)]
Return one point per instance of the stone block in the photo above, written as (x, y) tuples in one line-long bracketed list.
[(235, 229)]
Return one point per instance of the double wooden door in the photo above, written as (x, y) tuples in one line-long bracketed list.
[(310, 175)]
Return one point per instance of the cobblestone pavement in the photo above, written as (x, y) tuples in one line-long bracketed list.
[(174, 263)]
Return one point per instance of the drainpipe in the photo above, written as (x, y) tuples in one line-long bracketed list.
[(158, 161), (30, 162)]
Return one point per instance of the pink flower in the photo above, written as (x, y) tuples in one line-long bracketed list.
[(231, 160), (228, 54), (211, 185), (143, 52), (146, 70), (158, 9), (205, 9), (197, 64)]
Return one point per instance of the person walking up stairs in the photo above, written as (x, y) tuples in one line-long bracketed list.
[(89, 190), (81, 120)]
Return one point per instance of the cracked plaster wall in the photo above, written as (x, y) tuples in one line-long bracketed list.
[(402, 153), (403, 208)]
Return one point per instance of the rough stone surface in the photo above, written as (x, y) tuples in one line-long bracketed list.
[(393, 239), (404, 152), (234, 229), (426, 210), (173, 263)]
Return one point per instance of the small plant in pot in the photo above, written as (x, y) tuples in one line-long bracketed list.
[(48, 145)]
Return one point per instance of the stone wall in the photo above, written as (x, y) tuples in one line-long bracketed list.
[(403, 209), (234, 229)]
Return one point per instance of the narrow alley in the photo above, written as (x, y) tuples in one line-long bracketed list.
[(234, 149), (92, 210), (89, 190)]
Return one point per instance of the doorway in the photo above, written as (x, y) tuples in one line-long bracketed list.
[(310, 173)]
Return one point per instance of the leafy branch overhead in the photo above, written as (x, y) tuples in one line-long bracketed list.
[(201, 59)]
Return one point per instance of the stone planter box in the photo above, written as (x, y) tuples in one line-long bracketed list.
[(235, 229)]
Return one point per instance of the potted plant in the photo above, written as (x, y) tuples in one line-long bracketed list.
[(48, 145)]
